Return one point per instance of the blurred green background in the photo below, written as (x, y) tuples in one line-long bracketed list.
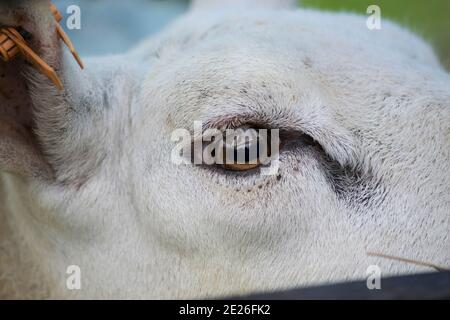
[(428, 18), (113, 26)]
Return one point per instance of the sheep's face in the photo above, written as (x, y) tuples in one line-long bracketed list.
[(363, 128)]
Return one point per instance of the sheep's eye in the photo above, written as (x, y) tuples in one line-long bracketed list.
[(246, 150), (235, 149), (240, 156), (240, 167)]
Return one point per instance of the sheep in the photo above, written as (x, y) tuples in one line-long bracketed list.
[(87, 182)]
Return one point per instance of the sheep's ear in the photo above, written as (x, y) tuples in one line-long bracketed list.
[(42, 122), (250, 4), (19, 151)]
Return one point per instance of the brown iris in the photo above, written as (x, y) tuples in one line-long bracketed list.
[(245, 152)]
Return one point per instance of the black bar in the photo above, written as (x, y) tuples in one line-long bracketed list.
[(430, 286)]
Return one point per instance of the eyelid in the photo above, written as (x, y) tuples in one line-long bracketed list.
[(336, 141), (240, 142)]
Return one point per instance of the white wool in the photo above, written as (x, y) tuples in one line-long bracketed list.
[(140, 226)]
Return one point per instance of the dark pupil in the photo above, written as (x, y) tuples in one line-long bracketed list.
[(243, 153), (246, 151), (249, 152)]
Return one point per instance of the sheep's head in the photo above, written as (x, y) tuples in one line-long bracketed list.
[(362, 122)]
